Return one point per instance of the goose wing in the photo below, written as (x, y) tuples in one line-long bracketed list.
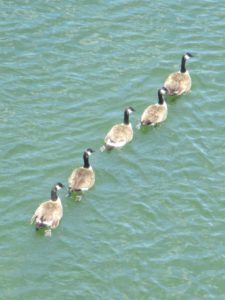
[(119, 134), (81, 179), (48, 214), (154, 114), (178, 83)]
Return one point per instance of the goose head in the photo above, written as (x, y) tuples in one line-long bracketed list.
[(187, 55)]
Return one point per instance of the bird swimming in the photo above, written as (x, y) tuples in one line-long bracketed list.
[(49, 213), (155, 113), (82, 178), (179, 82), (120, 134)]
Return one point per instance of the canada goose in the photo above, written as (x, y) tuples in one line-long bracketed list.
[(179, 82), (155, 113), (120, 134), (49, 213), (82, 178)]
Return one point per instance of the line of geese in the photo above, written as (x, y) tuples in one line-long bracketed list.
[(49, 213)]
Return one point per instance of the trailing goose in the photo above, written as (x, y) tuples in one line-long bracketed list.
[(179, 82), (120, 134), (155, 113), (82, 178), (49, 213)]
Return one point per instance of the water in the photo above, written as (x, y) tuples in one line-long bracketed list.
[(153, 225)]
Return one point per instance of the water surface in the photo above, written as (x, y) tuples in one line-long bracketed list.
[(153, 225)]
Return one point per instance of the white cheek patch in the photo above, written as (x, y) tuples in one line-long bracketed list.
[(58, 187), (89, 153), (162, 91), (186, 56), (129, 111)]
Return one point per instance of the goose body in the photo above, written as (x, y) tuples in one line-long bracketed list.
[(155, 113), (82, 178), (179, 82), (120, 134), (49, 213)]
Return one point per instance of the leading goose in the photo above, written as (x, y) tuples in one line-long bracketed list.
[(82, 178), (155, 113), (179, 82), (120, 134), (49, 213)]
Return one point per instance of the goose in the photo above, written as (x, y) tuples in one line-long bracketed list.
[(179, 82), (49, 213), (155, 113), (82, 178), (120, 134)]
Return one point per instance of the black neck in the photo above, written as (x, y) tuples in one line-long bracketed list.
[(126, 118), (86, 160), (183, 68), (160, 97), (54, 195)]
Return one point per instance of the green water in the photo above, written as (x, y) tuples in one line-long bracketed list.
[(153, 225)]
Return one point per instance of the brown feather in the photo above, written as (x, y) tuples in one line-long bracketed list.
[(49, 212), (120, 133), (178, 83), (154, 114), (81, 178)]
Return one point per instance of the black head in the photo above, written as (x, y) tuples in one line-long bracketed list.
[(163, 90), (86, 155), (187, 55), (89, 151), (129, 110), (59, 186)]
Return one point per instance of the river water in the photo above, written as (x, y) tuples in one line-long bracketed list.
[(153, 225)]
